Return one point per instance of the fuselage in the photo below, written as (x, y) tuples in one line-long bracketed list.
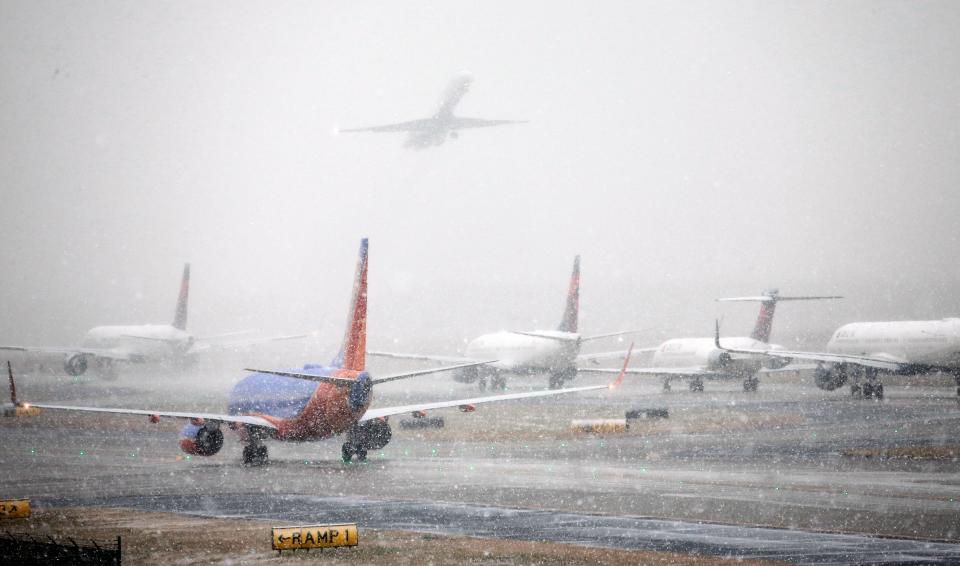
[(524, 353), (703, 353), (302, 410), (142, 342), (915, 342)]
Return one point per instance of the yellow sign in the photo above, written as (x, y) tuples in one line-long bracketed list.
[(14, 508), (314, 536)]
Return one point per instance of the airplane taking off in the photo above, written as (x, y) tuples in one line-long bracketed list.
[(554, 352), (436, 129), (697, 359), (860, 351), (105, 345), (316, 401)]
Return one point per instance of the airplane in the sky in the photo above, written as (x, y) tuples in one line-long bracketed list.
[(443, 124), (105, 346), (316, 401), (859, 352), (554, 352), (700, 359)]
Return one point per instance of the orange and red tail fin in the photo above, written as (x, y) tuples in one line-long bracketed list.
[(572, 310), (180, 315), (353, 352)]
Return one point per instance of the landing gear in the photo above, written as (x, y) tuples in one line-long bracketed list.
[(871, 387), (481, 384), (751, 384), (558, 377), (254, 454), (498, 382), (370, 435), (696, 385), (666, 385)]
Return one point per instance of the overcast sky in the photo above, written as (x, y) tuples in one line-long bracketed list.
[(686, 150)]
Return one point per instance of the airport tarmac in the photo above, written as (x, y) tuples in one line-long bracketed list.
[(789, 473)]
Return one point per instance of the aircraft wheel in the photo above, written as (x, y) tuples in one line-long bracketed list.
[(856, 391), (346, 452), (751, 384), (867, 390), (254, 455), (696, 386), (361, 454), (878, 392)]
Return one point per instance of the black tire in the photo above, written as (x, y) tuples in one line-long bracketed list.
[(346, 453), (361, 454), (696, 386), (856, 391), (751, 384), (254, 455), (868, 390), (878, 392)]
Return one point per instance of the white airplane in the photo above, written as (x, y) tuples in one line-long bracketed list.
[(555, 352), (436, 129), (104, 346), (860, 351), (699, 359), (314, 402)]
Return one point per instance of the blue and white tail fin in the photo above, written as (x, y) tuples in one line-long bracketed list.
[(353, 351)]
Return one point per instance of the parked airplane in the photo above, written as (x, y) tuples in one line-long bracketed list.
[(106, 345), (555, 352), (316, 401), (860, 351), (436, 129), (698, 359)]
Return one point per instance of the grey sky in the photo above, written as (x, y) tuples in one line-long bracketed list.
[(686, 151)]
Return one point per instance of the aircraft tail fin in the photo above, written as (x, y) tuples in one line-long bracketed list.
[(571, 313), (353, 352), (768, 305), (180, 315)]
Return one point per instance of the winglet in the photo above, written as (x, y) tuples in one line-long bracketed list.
[(571, 311), (623, 371), (716, 335), (180, 315), (13, 386)]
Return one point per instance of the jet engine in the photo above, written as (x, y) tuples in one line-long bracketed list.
[(75, 364), (201, 439), (719, 359), (371, 435), (830, 376)]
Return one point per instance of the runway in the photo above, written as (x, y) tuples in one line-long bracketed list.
[(778, 474)]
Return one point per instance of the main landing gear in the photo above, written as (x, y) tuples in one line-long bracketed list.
[(369, 435), (254, 454), (868, 386), (497, 381), (696, 385), (751, 384)]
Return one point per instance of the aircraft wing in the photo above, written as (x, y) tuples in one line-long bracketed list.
[(423, 125), (614, 355), (884, 363), (95, 352), (389, 411), (205, 345), (683, 372), (424, 357), (239, 419), (459, 123)]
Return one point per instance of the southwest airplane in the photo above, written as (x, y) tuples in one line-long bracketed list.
[(860, 351), (105, 345), (316, 401), (554, 352), (697, 359), (436, 129)]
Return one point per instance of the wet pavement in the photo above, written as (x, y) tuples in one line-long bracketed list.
[(705, 480)]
